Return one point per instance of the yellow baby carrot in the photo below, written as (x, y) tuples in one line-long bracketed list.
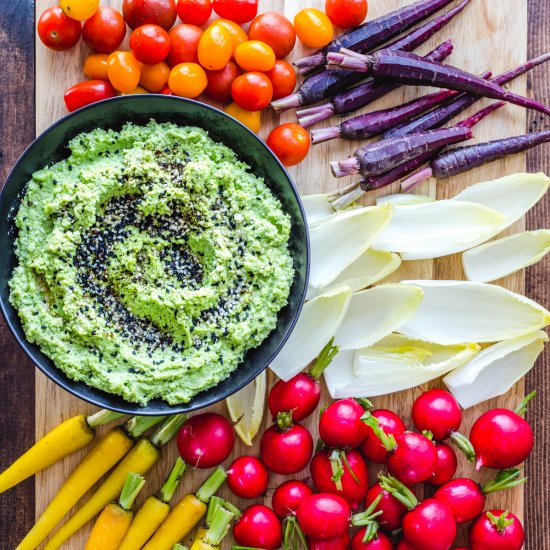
[(218, 518)]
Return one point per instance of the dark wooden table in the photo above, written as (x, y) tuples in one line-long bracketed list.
[(17, 373)]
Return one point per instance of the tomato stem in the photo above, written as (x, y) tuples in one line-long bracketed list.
[(521, 409), (505, 479), (500, 522), (398, 490), (324, 359), (464, 444)]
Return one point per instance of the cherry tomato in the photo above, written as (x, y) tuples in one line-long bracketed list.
[(57, 31), (154, 77), (283, 78), (254, 55), (79, 9), (95, 66), (251, 119), (184, 42), (105, 30), (290, 143), (138, 90), (194, 12), (166, 91), (238, 36), (124, 71), (313, 28), (219, 82), (87, 92), (150, 44), (252, 91), (156, 12), (239, 11), (215, 48), (274, 29), (346, 13), (187, 80)]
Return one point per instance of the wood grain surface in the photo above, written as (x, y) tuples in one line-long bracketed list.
[(488, 34)]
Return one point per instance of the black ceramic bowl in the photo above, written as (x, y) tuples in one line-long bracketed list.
[(50, 147)]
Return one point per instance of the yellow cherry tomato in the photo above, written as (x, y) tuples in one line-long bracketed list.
[(124, 71), (79, 9), (95, 66), (254, 55), (215, 47), (238, 34), (154, 77), (138, 90), (313, 28), (251, 119), (187, 80)]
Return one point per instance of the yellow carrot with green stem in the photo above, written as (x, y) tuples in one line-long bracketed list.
[(218, 518), (70, 436), (142, 457), (179, 546), (153, 511), (113, 523)]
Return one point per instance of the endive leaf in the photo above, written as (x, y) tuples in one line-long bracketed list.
[(340, 378), (372, 266), (375, 313), (496, 369), (434, 229), (404, 198), (317, 208), (496, 259), (338, 242), (453, 312), (317, 324)]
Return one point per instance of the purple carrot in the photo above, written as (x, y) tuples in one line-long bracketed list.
[(376, 122), (441, 116), (361, 95), (367, 36), (327, 83)]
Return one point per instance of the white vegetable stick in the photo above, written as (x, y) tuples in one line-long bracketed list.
[(496, 259), (317, 208), (453, 312), (496, 369), (404, 198)]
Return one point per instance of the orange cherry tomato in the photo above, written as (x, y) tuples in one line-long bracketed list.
[(254, 55), (290, 143), (283, 78), (215, 48), (252, 91), (95, 66), (150, 44), (124, 71), (251, 119), (138, 90), (238, 34), (313, 28), (187, 80), (184, 42), (105, 30), (219, 82), (346, 13), (274, 29), (194, 12), (154, 77)]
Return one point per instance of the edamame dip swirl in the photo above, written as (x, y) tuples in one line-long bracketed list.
[(150, 261)]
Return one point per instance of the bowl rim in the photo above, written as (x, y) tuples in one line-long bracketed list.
[(71, 386)]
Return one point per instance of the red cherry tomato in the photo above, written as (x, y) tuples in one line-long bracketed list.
[(247, 477), (240, 11), (346, 13), (57, 31), (87, 92), (156, 12), (124, 71), (184, 42), (105, 30), (219, 82), (252, 91), (166, 91), (194, 12), (283, 78), (290, 143), (150, 44), (274, 29)]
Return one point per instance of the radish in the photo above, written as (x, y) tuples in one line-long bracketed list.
[(247, 477), (258, 527), (324, 516), (502, 438), (379, 542), (342, 473), (391, 424), (340, 425), (496, 530), (206, 440), (466, 498), (446, 465), (392, 510), (338, 543), (301, 394), (286, 448), (287, 497), (404, 545)]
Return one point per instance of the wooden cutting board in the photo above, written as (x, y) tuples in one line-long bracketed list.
[(487, 35)]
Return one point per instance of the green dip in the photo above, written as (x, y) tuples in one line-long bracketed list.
[(150, 261)]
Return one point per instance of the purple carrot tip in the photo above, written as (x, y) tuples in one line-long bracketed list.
[(480, 115), (313, 115), (305, 64), (346, 167), (289, 102), (325, 134), (408, 184), (349, 198)]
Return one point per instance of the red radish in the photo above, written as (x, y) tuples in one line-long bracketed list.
[(286, 448), (437, 411), (324, 516), (502, 438), (287, 497), (391, 424), (392, 509), (446, 465), (404, 545), (343, 473), (338, 543), (301, 394), (258, 527), (206, 440), (496, 530), (380, 542), (341, 426), (414, 458), (247, 477)]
